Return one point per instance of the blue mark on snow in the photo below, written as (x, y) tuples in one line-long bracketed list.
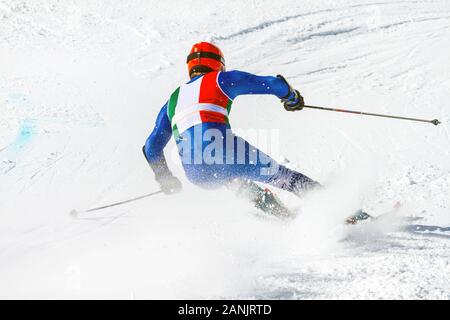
[(27, 126), (12, 153), (17, 98), (26, 132)]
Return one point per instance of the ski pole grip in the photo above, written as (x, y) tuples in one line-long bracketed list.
[(435, 122)]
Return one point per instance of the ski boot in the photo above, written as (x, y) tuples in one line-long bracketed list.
[(264, 199), (269, 203), (358, 216)]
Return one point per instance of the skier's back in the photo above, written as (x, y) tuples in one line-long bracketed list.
[(196, 114)]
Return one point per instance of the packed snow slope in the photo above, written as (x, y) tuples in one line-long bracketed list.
[(82, 81)]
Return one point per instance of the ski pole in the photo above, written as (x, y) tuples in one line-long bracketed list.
[(435, 121), (75, 212)]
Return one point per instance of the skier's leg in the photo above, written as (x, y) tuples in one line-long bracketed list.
[(241, 161), (269, 171), (280, 177), (259, 167)]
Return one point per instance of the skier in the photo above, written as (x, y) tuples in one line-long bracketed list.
[(196, 115)]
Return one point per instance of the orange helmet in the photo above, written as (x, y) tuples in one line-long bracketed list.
[(205, 57)]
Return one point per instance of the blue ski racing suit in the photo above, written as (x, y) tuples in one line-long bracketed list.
[(197, 116)]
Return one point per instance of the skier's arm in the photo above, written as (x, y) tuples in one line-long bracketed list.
[(156, 142), (154, 152), (236, 83)]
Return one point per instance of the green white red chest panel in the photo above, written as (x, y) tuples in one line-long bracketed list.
[(196, 102)]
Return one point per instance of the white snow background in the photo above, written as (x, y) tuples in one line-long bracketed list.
[(81, 83)]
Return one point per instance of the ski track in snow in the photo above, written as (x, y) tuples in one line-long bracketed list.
[(81, 84)]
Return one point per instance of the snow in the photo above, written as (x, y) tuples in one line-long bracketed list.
[(82, 82)]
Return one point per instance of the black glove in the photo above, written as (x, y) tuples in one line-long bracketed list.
[(168, 183), (293, 101)]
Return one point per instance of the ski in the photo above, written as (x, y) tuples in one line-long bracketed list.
[(361, 215)]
